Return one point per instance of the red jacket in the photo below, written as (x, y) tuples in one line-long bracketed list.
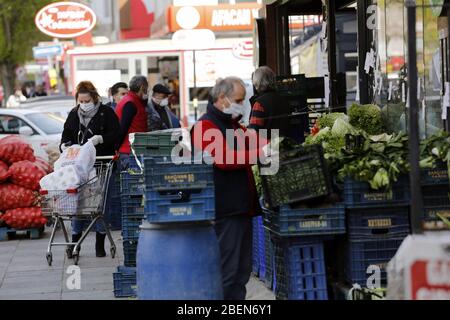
[(139, 123), (234, 182)]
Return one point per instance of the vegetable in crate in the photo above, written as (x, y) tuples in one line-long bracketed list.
[(380, 162), (366, 117), (328, 119), (4, 174), (14, 149), (26, 174), (12, 197), (24, 218)]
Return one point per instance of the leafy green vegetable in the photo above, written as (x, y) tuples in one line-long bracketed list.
[(342, 127), (366, 117), (380, 162), (328, 119)]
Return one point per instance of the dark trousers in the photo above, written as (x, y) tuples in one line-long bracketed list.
[(235, 240)]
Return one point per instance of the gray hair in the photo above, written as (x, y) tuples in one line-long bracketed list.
[(137, 82), (226, 86), (264, 79)]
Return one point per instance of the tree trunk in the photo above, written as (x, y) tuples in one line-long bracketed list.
[(8, 78)]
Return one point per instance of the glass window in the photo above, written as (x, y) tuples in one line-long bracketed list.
[(47, 122), (10, 124), (103, 64)]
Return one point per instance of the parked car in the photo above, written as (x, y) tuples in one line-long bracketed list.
[(39, 128), (58, 105)]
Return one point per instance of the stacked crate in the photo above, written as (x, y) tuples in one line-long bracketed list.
[(436, 201), (377, 223), (295, 243), (132, 192)]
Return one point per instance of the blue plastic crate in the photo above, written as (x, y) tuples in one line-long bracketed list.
[(255, 246), (132, 184), (363, 253), (162, 174), (129, 253), (378, 223), (262, 250), (306, 221), (132, 206), (435, 176), (300, 269), (125, 282), (269, 257), (130, 228), (359, 194), (180, 206)]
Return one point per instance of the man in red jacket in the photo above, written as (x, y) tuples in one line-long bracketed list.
[(132, 116), (235, 191)]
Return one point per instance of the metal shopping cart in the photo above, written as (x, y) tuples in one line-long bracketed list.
[(87, 202)]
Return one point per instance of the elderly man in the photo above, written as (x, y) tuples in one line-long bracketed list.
[(235, 191), (269, 109), (160, 116), (132, 115)]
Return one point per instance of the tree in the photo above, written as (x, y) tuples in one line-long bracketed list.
[(18, 34)]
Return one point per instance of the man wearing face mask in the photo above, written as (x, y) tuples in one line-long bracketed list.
[(133, 116), (235, 191), (160, 116)]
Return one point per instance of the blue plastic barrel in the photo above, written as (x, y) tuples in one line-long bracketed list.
[(178, 262)]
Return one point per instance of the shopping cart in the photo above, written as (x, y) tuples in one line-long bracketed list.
[(87, 202)]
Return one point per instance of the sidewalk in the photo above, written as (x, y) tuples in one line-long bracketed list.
[(25, 274)]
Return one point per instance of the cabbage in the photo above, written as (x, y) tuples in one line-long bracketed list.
[(328, 119), (341, 128)]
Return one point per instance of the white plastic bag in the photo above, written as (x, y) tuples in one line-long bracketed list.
[(63, 179), (81, 157)]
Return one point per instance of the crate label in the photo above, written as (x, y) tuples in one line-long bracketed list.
[(379, 223), (313, 224), (179, 178), (433, 213), (378, 196), (438, 174), (181, 211)]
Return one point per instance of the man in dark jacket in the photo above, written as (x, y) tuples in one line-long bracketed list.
[(269, 109), (160, 116), (235, 191)]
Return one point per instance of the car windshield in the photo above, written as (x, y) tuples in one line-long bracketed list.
[(47, 122)]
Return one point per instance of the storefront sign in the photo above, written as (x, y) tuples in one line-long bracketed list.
[(48, 51), (65, 20), (222, 17)]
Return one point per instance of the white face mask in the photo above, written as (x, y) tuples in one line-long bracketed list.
[(86, 107), (164, 102), (235, 109)]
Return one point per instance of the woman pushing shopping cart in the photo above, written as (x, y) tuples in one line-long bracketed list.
[(90, 121)]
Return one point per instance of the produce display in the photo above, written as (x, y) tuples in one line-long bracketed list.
[(20, 173), (26, 174), (24, 218), (14, 149), (366, 117), (4, 174), (378, 159)]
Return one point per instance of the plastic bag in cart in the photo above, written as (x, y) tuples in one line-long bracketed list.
[(81, 157)]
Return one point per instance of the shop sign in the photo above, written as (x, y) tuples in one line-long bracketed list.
[(65, 19), (223, 17), (430, 280), (243, 50)]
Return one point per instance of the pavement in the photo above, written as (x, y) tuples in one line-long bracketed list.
[(25, 274)]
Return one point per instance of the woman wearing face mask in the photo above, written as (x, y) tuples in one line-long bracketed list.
[(92, 121), (160, 116)]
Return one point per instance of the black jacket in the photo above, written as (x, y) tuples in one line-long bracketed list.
[(104, 123), (276, 112)]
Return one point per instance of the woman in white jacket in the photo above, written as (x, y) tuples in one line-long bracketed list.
[(15, 99)]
